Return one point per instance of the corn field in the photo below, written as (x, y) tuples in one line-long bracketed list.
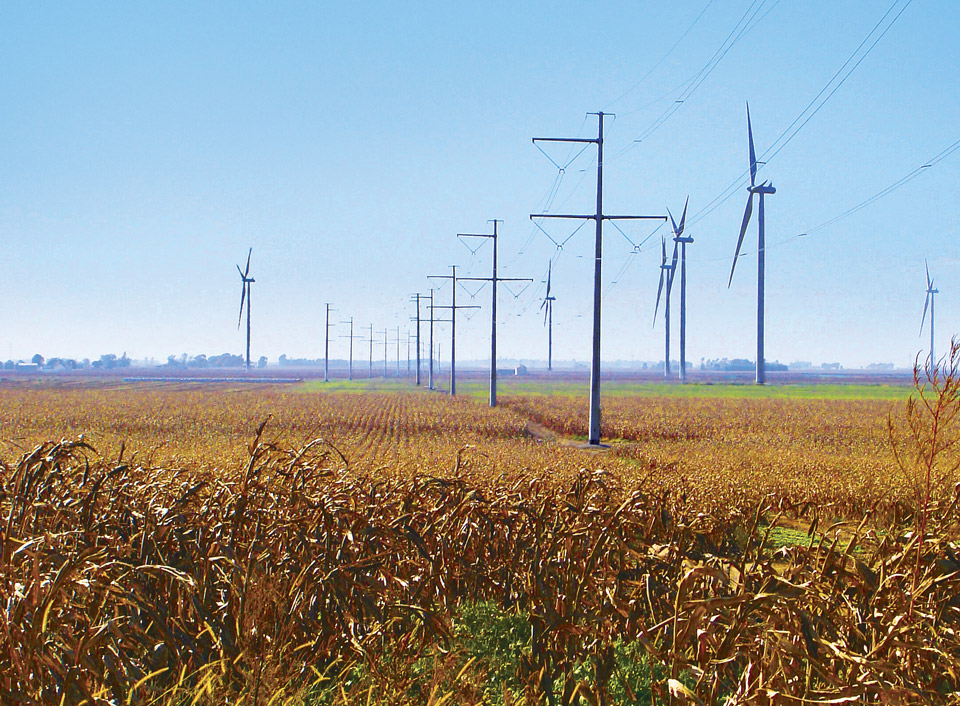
[(205, 546)]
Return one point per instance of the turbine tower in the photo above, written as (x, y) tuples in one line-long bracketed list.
[(682, 240), (666, 275), (929, 301), (246, 281), (764, 189), (548, 317)]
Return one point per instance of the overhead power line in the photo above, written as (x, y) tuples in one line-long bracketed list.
[(662, 58), (812, 108)]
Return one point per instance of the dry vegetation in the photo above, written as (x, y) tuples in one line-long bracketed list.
[(361, 548)]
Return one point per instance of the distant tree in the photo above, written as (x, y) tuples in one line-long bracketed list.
[(37, 359), (282, 360), (262, 363), (198, 361), (225, 360), (9, 365)]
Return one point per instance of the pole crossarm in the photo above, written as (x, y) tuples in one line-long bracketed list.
[(491, 279), (593, 217), (587, 140)]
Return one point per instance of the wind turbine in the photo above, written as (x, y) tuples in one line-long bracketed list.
[(548, 317), (929, 300), (764, 189), (246, 281), (666, 275), (682, 240)]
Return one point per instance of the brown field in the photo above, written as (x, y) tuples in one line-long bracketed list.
[(362, 546)]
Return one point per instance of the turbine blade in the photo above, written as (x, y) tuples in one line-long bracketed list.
[(924, 317), (753, 154), (240, 271), (673, 267), (659, 291), (663, 261), (683, 218), (676, 230), (743, 229), (247, 271), (546, 313), (549, 272), (929, 283), (243, 296)]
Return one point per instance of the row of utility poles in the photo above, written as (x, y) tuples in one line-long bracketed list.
[(494, 279), (599, 217)]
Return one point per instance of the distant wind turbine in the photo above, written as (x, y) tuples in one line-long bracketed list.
[(678, 237), (666, 276), (548, 317), (762, 190), (929, 301), (246, 281)]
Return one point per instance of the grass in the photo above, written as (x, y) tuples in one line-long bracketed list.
[(358, 385), (479, 390)]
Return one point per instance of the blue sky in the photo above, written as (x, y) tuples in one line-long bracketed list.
[(146, 146)]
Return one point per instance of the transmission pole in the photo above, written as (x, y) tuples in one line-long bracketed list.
[(326, 347), (493, 279), (370, 369), (598, 218), (351, 337), (398, 352), (453, 325), (417, 319), (408, 354), (385, 352), (430, 378)]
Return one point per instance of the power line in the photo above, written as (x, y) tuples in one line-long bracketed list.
[(662, 58), (743, 25), (786, 136), (902, 181)]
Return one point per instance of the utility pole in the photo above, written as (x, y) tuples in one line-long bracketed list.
[(408, 354), (417, 319), (453, 325), (385, 353), (326, 347), (351, 337), (370, 337), (493, 279), (398, 352), (598, 218), (430, 378)]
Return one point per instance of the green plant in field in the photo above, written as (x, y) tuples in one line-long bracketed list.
[(497, 639)]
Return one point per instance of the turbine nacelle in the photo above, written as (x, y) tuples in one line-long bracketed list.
[(765, 188)]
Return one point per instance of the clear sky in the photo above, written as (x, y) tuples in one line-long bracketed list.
[(145, 146)]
